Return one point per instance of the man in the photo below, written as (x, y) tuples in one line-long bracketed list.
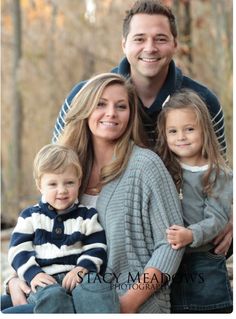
[(149, 44)]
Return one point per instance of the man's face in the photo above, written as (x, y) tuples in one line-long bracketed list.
[(149, 46)]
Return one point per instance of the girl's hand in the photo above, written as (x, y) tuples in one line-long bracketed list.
[(18, 290), (179, 236), (72, 279), (42, 279)]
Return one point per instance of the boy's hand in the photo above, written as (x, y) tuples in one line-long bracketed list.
[(42, 280), (72, 279), (179, 236)]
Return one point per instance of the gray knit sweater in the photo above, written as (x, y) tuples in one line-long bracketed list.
[(135, 210)]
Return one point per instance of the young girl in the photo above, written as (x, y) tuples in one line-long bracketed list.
[(188, 146)]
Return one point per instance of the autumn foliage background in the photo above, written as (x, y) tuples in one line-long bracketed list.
[(63, 42)]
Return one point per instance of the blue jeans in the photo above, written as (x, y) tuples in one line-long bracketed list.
[(54, 299), (201, 285), (7, 306)]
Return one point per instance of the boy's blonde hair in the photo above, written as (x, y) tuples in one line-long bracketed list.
[(54, 158), (188, 99)]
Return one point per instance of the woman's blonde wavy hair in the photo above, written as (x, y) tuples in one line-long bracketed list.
[(77, 134), (188, 99)]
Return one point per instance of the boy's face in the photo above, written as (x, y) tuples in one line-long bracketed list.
[(60, 190), (149, 46)]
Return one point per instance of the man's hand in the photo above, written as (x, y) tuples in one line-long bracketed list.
[(179, 236), (72, 279), (18, 290), (224, 240), (42, 279)]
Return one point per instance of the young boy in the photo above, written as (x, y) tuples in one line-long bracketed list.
[(56, 242)]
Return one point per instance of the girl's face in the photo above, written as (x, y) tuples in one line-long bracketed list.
[(110, 119), (185, 136)]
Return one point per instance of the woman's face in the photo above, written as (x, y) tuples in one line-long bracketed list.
[(110, 119)]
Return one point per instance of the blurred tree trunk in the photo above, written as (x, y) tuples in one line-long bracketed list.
[(183, 12), (16, 105), (187, 31), (51, 51)]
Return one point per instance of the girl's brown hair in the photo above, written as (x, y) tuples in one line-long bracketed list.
[(188, 99), (77, 134)]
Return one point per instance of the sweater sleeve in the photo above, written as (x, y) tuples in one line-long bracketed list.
[(156, 199), (21, 253), (217, 211), (93, 256), (214, 107), (217, 117), (60, 121)]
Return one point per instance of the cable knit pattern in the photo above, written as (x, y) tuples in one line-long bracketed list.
[(135, 210)]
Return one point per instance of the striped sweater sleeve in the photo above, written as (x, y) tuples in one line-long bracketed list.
[(217, 116), (21, 253), (60, 121), (93, 256)]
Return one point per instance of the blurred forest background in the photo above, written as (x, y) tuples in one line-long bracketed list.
[(48, 46)]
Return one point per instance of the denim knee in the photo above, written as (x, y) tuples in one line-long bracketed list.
[(7, 306), (52, 299), (6, 302), (102, 297), (27, 308)]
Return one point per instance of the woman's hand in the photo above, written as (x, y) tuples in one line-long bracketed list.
[(131, 301), (72, 278), (18, 290), (224, 239), (127, 304)]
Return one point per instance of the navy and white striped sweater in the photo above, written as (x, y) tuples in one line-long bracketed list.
[(44, 241)]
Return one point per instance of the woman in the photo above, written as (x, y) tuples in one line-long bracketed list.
[(131, 189)]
